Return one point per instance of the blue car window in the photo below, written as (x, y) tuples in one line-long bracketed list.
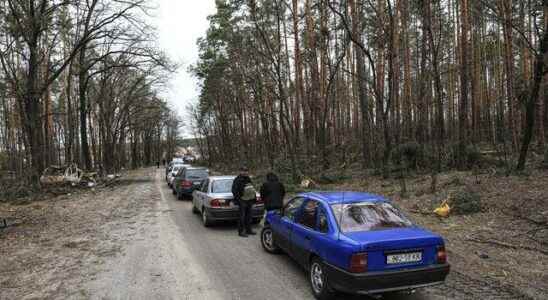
[(323, 223), (308, 216), (292, 207)]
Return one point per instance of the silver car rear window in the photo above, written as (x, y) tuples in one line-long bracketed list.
[(222, 186)]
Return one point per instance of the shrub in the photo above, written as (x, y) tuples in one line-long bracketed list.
[(4, 160), (331, 178), (409, 154), (545, 161), (465, 202), (472, 155), (11, 190)]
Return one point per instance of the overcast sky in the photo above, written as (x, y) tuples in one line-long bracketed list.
[(180, 23)]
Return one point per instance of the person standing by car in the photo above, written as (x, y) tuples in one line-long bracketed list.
[(272, 193), (244, 197)]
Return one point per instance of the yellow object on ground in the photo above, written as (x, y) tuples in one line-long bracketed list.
[(443, 210)]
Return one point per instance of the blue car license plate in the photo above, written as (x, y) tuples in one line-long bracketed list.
[(403, 258)]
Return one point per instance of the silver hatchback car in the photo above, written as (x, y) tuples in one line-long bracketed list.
[(213, 201)]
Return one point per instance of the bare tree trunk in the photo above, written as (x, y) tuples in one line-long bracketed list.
[(32, 113), (506, 7), (361, 80), (299, 90), (464, 81), (407, 94), (539, 73), (82, 89), (315, 97)]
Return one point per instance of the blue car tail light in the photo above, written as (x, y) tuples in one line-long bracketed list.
[(358, 263), (441, 255)]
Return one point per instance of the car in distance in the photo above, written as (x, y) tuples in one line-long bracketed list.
[(170, 166), (173, 172), (174, 161), (189, 158), (213, 201), (187, 180), (356, 243)]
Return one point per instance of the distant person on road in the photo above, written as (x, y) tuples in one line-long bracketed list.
[(244, 197), (272, 192), (164, 161)]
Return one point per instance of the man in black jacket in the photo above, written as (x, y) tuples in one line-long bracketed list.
[(238, 186), (272, 192)]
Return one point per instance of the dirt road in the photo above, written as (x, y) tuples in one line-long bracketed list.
[(136, 241)]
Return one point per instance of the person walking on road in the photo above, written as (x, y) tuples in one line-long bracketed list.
[(272, 193), (244, 196)]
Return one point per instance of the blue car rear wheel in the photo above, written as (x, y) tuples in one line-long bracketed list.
[(319, 282)]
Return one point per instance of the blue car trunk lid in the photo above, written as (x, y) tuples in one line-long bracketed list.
[(379, 244)]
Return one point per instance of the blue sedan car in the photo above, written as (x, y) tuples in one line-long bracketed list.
[(355, 243)]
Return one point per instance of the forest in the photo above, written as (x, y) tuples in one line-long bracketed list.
[(395, 149), (384, 84), (80, 82)]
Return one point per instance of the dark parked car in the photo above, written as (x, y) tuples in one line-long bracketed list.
[(174, 171), (187, 180), (356, 243)]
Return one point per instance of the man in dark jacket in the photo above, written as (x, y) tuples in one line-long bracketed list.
[(238, 186), (272, 192)]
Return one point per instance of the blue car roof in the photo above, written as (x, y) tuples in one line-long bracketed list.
[(343, 197)]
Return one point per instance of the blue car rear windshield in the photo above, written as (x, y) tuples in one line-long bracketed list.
[(365, 216), (222, 186)]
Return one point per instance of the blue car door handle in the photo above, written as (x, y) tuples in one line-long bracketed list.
[(307, 237)]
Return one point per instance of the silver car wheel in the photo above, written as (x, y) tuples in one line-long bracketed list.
[(204, 217), (316, 277), (268, 241)]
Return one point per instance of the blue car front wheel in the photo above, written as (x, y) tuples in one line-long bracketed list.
[(267, 240)]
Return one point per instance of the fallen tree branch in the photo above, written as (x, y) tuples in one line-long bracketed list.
[(526, 218), (506, 245)]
